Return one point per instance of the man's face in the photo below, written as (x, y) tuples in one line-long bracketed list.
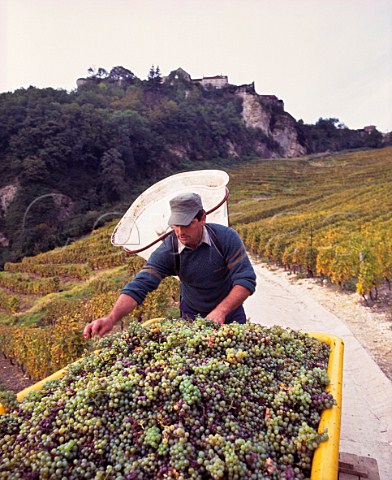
[(190, 235)]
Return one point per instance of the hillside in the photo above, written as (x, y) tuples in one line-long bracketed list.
[(323, 215), (68, 160), (327, 216), (46, 300)]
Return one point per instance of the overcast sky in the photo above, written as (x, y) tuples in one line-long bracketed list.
[(323, 58)]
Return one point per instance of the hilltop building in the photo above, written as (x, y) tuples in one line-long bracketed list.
[(369, 129), (217, 81)]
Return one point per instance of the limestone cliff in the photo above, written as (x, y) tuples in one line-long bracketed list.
[(266, 112), (285, 134), (253, 114), (7, 194)]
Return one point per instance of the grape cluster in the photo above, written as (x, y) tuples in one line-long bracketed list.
[(176, 400), (8, 399)]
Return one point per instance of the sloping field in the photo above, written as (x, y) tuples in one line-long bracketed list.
[(329, 215), (46, 300)]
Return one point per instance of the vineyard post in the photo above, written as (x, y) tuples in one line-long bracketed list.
[(312, 260)]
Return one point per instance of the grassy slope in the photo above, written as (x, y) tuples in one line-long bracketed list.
[(98, 270)]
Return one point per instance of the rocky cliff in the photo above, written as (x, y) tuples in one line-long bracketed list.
[(267, 113), (7, 194)]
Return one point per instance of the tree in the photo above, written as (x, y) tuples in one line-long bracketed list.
[(154, 79), (101, 73), (34, 171), (121, 74), (112, 174)]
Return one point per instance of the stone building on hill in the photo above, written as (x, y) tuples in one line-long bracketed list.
[(218, 81)]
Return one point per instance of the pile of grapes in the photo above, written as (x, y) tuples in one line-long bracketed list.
[(176, 400)]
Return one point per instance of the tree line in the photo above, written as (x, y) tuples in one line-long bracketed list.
[(72, 157)]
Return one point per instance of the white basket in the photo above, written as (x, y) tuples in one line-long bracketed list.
[(145, 223)]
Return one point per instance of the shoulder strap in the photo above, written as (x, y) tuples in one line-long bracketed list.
[(176, 255)]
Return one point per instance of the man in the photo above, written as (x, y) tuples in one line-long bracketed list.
[(214, 269)]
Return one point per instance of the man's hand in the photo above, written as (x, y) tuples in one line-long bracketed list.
[(99, 327), (217, 317), (234, 299)]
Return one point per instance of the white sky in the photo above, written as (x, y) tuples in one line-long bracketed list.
[(323, 58)]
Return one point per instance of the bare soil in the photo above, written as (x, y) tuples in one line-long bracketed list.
[(12, 377)]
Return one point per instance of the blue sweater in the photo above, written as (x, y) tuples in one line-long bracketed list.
[(206, 277)]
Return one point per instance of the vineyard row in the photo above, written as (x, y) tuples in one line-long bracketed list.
[(341, 253), (40, 351)]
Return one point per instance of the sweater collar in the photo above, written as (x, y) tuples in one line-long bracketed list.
[(204, 239)]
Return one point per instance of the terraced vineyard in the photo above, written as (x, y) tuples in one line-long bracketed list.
[(46, 300), (329, 215)]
